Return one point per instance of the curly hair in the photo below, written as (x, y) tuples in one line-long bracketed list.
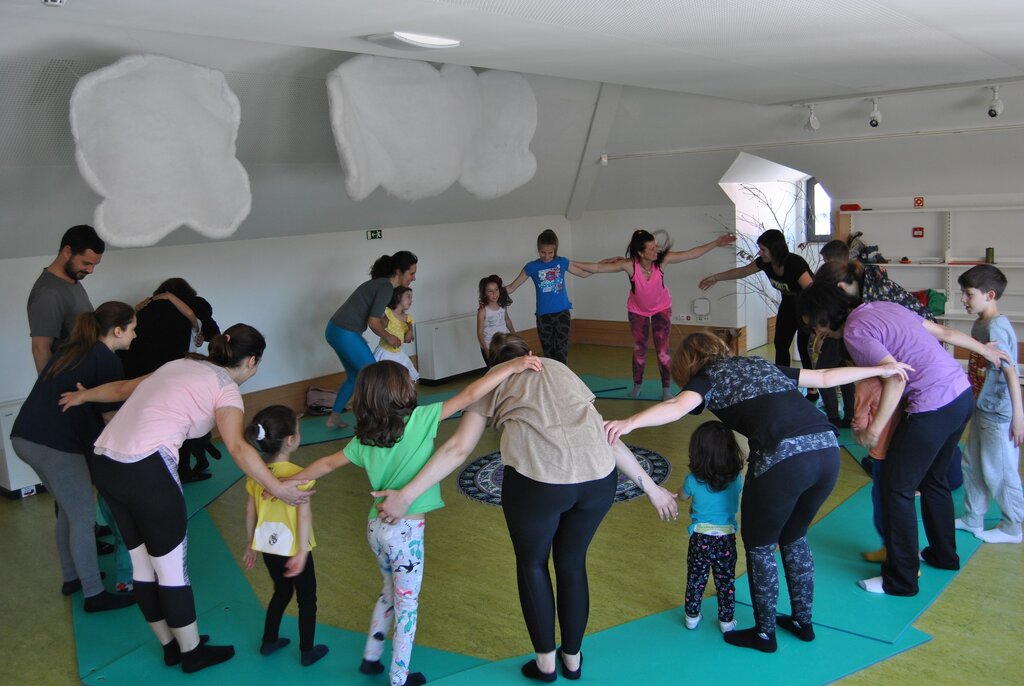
[(384, 397), (504, 300)]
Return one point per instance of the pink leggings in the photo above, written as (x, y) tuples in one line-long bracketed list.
[(661, 326)]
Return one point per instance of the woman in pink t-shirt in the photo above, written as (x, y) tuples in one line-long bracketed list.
[(136, 471), (650, 304)]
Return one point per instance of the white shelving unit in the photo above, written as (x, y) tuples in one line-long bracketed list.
[(955, 238)]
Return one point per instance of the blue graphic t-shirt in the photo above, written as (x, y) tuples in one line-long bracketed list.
[(549, 278)]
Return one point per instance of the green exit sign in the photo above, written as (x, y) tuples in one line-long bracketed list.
[(374, 234)]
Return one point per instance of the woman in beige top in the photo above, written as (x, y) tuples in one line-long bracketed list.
[(558, 483)]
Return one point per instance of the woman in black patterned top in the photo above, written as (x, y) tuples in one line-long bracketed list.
[(793, 464)]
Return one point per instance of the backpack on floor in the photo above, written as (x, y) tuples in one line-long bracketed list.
[(320, 401)]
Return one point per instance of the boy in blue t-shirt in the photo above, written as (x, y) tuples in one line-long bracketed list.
[(991, 454)]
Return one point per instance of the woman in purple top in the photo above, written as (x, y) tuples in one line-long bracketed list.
[(939, 404)]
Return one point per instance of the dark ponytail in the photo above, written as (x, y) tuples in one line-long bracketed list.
[(236, 344), (277, 423), (88, 328), (386, 265)]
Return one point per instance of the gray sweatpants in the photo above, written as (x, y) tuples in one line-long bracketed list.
[(66, 476), (991, 469)]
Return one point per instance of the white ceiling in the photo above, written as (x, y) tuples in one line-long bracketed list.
[(755, 51)]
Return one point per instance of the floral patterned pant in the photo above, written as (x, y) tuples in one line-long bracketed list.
[(399, 551), (717, 554)]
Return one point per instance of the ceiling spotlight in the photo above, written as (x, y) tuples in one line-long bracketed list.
[(875, 118), (401, 40), (995, 108), (812, 119)]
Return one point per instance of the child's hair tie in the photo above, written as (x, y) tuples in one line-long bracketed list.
[(227, 338), (260, 432)]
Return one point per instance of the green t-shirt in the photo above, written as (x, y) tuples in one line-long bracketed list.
[(394, 467)]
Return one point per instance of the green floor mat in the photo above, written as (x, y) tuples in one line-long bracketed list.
[(837, 541), (118, 647), (659, 650), (620, 389)]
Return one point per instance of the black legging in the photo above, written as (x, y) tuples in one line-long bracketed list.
[(303, 586), (149, 508), (553, 332), (918, 459), (564, 517), (787, 323)]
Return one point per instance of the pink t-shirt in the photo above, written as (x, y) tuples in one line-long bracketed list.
[(649, 296), (176, 402)]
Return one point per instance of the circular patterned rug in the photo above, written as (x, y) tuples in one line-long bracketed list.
[(481, 480)]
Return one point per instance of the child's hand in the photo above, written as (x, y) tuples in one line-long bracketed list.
[(393, 340), (295, 564), (393, 506), (249, 558), (521, 364), (1017, 430)]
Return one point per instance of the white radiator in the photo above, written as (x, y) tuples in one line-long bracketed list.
[(15, 476), (447, 347)]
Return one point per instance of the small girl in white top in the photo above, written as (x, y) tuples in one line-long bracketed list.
[(492, 317), (398, 322)]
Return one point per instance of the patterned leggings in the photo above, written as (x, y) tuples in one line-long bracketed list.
[(661, 327), (399, 551), (553, 331), (717, 554)]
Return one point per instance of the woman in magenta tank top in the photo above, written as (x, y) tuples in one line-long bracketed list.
[(650, 304)]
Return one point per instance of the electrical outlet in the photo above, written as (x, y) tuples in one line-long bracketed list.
[(679, 317), (374, 234), (703, 317)]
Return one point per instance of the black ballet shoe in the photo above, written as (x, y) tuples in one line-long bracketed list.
[(415, 679), (371, 667), (531, 671), (310, 656), (571, 674), (271, 647), (803, 631), (752, 638)]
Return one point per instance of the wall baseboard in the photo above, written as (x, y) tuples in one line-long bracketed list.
[(618, 334)]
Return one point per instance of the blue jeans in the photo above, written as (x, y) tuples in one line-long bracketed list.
[(354, 354)]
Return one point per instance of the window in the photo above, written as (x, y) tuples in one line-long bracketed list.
[(819, 212)]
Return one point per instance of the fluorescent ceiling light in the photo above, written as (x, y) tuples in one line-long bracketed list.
[(402, 40)]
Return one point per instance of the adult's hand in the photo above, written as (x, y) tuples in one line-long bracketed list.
[(70, 399), (724, 240), (708, 282), (997, 356), (867, 438), (664, 502), (615, 429), (393, 506), (899, 369), (291, 494)]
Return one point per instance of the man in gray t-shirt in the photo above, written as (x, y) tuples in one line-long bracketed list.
[(57, 297)]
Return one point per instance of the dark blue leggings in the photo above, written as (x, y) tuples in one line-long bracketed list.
[(560, 518)]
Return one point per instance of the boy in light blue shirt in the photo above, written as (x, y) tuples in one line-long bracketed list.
[(991, 457)]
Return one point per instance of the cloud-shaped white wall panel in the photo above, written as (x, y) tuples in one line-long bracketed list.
[(416, 130), (156, 138)]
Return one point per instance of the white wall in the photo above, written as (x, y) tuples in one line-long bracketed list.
[(597, 235), (289, 287)]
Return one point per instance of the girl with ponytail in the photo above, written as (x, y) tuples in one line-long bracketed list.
[(58, 446), (136, 471)]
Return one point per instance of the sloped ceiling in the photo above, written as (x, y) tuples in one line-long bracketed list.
[(700, 75)]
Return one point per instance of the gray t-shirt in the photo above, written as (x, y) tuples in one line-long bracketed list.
[(994, 396), (368, 300), (53, 305)]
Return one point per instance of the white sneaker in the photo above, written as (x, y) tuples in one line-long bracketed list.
[(997, 536), (872, 585), (726, 627), (960, 524), (692, 622)]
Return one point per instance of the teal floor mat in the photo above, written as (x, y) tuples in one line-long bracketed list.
[(118, 647), (620, 389), (659, 650), (837, 541), (315, 430)]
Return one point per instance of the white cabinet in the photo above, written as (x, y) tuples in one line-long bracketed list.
[(16, 477)]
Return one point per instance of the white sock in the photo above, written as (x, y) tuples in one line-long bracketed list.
[(727, 626), (872, 585), (960, 524), (692, 622), (998, 536)]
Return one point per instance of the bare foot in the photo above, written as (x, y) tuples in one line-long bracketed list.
[(335, 422)]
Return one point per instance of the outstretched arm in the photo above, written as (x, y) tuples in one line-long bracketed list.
[(229, 425), (113, 392), (663, 413), (488, 382), (840, 376), (324, 465), (962, 340), (661, 498), (729, 275), (517, 282), (444, 461), (674, 256), (608, 266)]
